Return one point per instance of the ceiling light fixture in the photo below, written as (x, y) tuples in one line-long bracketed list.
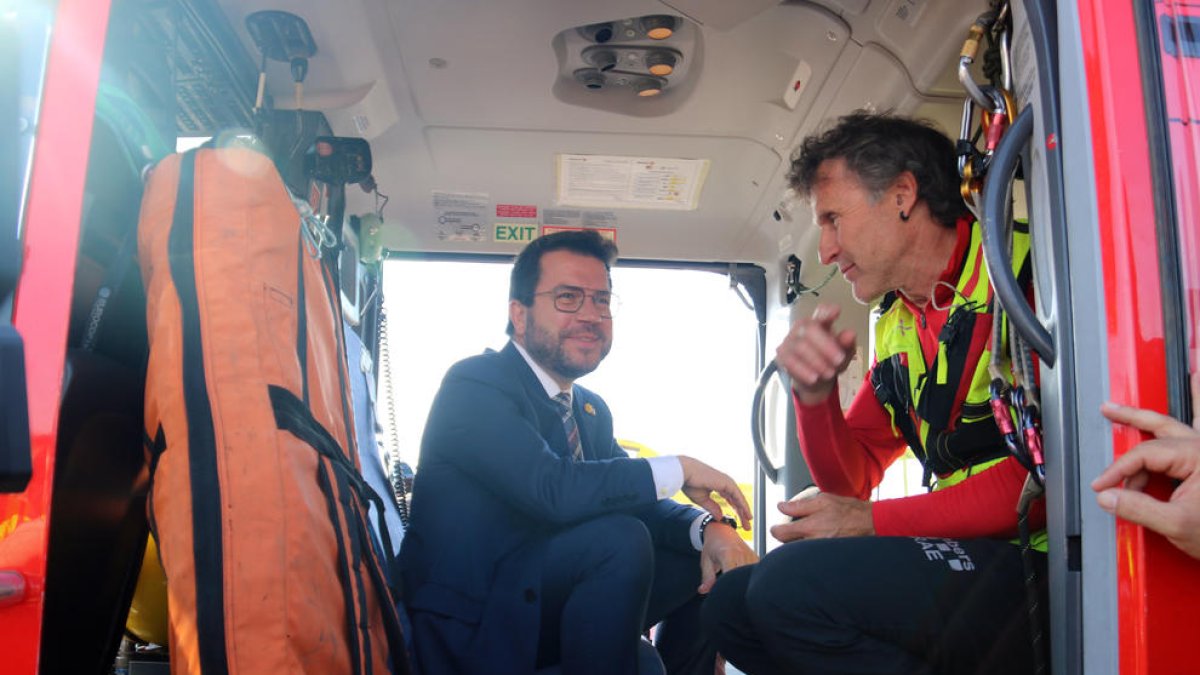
[(647, 88), (658, 26), (661, 63)]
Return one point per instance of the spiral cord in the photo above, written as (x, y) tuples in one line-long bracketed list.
[(399, 473)]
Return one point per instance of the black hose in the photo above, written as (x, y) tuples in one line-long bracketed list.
[(995, 202)]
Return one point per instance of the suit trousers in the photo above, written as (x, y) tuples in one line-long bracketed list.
[(603, 583), (879, 605)]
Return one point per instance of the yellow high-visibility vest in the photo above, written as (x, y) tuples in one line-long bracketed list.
[(921, 397)]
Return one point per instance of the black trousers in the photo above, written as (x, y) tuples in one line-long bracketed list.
[(878, 605), (603, 584)]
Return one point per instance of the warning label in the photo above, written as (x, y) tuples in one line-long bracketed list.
[(609, 233), (579, 218), (460, 216), (516, 211)]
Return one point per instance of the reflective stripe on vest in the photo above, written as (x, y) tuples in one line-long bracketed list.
[(952, 439)]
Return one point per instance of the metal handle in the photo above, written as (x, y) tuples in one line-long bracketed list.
[(995, 214), (756, 424)]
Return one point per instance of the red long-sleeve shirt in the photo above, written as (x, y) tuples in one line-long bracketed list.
[(847, 454)]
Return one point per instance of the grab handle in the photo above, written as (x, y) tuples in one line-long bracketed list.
[(757, 423)]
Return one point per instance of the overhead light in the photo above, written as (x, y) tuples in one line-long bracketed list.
[(598, 32), (640, 55), (661, 63), (647, 88), (658, 26)]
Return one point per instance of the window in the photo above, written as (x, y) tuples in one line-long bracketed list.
[(678, 379)]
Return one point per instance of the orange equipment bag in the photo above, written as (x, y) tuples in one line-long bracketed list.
[(257, 503)]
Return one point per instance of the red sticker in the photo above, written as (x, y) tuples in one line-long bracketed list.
[(516, 211)]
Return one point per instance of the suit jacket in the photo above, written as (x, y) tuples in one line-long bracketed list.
[(495, 482)]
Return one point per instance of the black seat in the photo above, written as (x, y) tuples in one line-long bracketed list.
[(98, 525)]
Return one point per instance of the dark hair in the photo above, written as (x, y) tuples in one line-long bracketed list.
[(527, 270), (878, 147)]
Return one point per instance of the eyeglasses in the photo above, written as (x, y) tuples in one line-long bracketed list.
[(569, 300)]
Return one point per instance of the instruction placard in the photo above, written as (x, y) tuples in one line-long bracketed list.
[(461, 216), (607, 181), (579, 218)]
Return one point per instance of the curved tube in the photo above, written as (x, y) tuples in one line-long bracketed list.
[(756, 424), (995, 197)]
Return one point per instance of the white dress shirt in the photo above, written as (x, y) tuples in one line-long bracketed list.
[(667, 472)]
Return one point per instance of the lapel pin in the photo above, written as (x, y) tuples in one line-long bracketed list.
[(589, 409)]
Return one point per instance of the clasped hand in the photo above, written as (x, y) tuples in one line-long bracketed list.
[(723, 548), (818, 515)]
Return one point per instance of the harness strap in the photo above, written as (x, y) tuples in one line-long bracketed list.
[(202, 450), (292, 415)]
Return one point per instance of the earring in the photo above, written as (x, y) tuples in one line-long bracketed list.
[(904, 216)]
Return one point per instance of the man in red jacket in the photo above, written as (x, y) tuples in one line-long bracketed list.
[(927, 583)]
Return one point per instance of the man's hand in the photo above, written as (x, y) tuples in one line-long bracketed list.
[(701, 480), (816, 515), (723, 550), (1175, 451), (813, 354)]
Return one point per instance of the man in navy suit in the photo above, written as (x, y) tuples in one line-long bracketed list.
[(535, 541)]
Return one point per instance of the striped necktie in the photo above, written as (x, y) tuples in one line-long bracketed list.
[(563, 399)]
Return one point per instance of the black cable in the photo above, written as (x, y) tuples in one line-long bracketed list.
[(1033, 602), (397, 474)]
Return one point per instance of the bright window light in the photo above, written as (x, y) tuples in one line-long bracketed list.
[(679, 377)]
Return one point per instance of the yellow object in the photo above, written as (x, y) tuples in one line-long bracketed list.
[(636, 449), (148, 613)]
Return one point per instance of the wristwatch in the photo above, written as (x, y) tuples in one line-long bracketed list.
[(728, 520)]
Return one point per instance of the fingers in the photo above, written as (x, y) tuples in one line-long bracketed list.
[(1162, 426), (1139, 508), (803, 504), (701, 480), (708, 575), (702, 497), (737, 500), (1177, 458), (723, 550), (1195, 379), (789, 532), (706, 502), (848, 339), (826, 313), (813, 355), (815, 351), (794, 509), (1137, 481)]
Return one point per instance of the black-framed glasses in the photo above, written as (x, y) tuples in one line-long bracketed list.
[(569, 300)]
